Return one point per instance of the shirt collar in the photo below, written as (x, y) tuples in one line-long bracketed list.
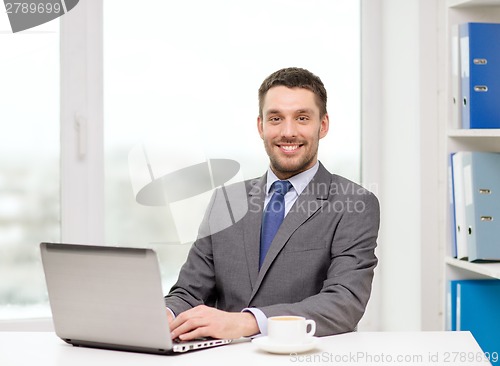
[(299, 181)]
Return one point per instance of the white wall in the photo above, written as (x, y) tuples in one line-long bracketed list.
[(400, 119), (400, 194)]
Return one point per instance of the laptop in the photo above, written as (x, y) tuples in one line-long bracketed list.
[(110, 297)]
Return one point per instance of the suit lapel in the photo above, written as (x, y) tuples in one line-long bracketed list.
[(251, 231), (311, 200)]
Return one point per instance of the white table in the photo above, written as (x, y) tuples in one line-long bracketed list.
[(361, 348)]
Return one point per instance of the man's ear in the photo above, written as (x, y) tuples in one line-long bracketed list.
[(260, 127), (325, 125)]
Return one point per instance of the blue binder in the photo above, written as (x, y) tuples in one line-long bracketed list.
[(451, 305), (456, 95), (476, 310), (460, 216), (451, 199), (480, 74), (481, 173)]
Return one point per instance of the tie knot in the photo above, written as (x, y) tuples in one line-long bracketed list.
[(282, 186)]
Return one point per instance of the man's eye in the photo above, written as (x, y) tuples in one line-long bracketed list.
[(303, 118), (274, 119)]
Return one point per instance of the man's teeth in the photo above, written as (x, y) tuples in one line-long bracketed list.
[(290, 147)]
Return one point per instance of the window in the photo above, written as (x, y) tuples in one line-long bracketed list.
[(29, 164), (181, 87)]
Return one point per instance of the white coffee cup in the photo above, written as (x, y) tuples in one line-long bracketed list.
[(290, 329)]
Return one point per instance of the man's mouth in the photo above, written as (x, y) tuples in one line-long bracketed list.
[(289, 148)]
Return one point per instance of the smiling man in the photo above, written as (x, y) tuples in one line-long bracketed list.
[(306, 245)]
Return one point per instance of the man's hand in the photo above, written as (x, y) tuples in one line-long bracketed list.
[(204, 321)]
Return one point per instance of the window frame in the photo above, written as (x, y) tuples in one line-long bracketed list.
[(82, 132)]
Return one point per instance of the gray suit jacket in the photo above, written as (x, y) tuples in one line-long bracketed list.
[(320, 263)]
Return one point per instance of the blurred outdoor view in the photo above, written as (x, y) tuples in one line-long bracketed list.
[(180, 87), (29, 164)]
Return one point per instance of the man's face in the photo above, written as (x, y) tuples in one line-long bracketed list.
[(291, 128)]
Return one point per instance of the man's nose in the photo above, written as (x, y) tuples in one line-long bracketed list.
[(289, 128)]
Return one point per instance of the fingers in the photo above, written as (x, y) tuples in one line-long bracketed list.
[(190, 324), (195, 333), (190, 329)]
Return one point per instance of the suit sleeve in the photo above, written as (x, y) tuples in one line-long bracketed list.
[(340, 304), (196, 282)]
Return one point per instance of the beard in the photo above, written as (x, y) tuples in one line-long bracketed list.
[(288, 166)]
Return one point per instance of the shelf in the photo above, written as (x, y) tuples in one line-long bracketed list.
[(487, 269), (474, 132), (472, 3), (456, 139)]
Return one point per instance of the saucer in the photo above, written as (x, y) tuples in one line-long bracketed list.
[(267, 345)]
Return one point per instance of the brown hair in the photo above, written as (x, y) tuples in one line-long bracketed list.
[(295, 77)]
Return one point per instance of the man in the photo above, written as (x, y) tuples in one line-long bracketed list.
[(321, 259)]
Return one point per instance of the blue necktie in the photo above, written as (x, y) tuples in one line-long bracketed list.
[(274, 214)]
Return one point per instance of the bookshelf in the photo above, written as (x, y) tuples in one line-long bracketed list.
[(455, 139), (495, 133), (474, 270), (471, 3)]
